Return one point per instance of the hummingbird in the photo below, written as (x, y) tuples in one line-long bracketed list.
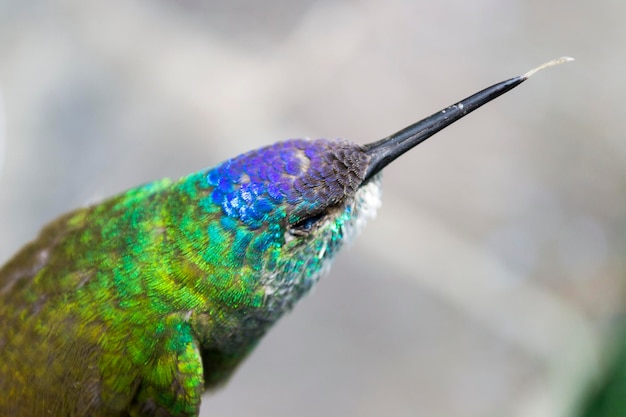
[(137, 305)]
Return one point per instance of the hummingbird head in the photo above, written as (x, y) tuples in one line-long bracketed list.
[(295, 203)]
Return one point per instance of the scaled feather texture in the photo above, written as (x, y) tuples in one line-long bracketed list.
[(136, 305)]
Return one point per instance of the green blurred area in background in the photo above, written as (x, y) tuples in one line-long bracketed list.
[(608, 398)]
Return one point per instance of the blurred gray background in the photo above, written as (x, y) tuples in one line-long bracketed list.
[(491, 282)]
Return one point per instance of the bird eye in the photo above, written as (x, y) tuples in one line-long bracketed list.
[(304, 226)]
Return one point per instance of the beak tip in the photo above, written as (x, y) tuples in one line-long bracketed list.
[(554, 62)]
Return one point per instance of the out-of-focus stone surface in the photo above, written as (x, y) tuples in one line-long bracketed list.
[(491, 277)]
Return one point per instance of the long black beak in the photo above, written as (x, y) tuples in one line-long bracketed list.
[(384, 151)]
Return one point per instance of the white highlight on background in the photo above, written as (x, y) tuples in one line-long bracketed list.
[(2, 132)]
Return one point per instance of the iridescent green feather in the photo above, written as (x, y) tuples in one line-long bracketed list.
[(142, 302)]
